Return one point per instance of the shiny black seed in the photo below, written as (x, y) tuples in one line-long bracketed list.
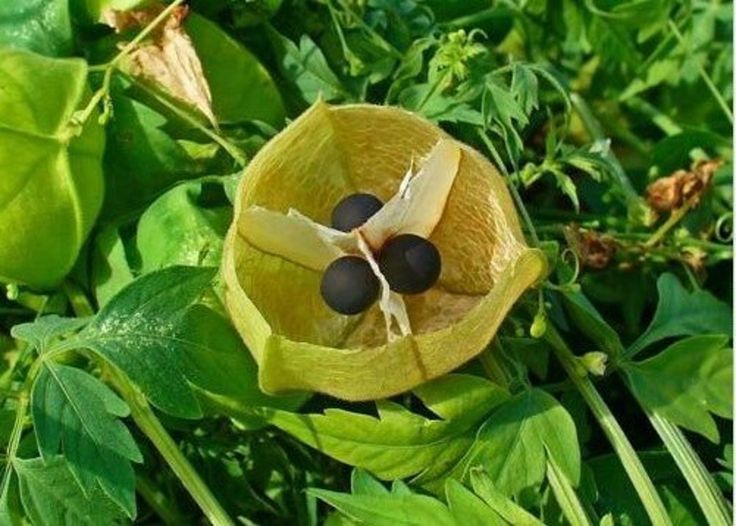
[(410, 263), (349, 286), (354, 210)]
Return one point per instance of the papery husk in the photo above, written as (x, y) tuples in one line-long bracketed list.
[(299, 342)]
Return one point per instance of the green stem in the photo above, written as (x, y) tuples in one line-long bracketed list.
[(433, 89), (478, 18), (706, 77), (629, 459), (674, 218), (709, 497), (149, 424), (15, 436), (663, 121), (512, 187), (78, 299), (565, 494)]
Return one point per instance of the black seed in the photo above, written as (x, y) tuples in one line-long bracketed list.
[(354, 210), (410, 263), (349, 286)]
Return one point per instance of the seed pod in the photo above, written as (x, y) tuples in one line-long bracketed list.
[(299, 342), (51, 183)]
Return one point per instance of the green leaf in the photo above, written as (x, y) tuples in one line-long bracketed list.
[(673, 152), (511, 512), (241, 87), (389, 510), (683, 313), (42, 332), (219, 365), (361, 483), (41, 26), (305, 65), (51, 497), (76, 414), (182, 228), (400, 443), (11, 508), (468, 508), (525, 431), (589, 321), (686, 382), (95, 9), (525, 87), (142, 160), (50, 179), (438, 107), (501, 106), (111, 270), (141, 332)]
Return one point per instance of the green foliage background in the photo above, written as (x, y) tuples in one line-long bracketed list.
[(127, 396)]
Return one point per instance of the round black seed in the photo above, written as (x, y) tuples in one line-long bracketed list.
[(410, 263), (354, 210), (349, 286)]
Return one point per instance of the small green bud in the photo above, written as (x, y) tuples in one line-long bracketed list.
[(539, 325), (594, 362), (11, 291)]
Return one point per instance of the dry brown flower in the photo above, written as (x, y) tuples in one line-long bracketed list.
[(168, 59), (594, 249), (669, 193)]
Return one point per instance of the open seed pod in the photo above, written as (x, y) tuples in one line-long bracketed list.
[(275, 251)]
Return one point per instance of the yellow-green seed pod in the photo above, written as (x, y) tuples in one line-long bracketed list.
[(299, 343)]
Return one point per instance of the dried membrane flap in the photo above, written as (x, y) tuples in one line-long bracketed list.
[(292, 236), (301, 344), (169, 59), (418, 205)]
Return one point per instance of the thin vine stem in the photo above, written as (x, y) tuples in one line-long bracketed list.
[(512, 187), (622, 446), (672, 220), (15, 436), (706, 77)]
